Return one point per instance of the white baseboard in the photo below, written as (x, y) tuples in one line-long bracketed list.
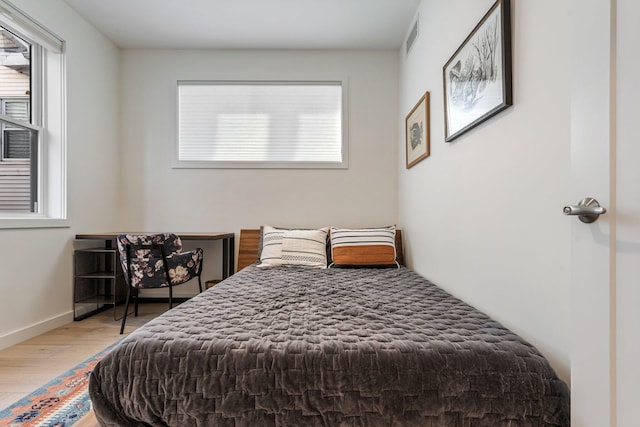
[(15, 337)]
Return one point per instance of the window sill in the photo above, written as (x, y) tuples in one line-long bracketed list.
[(39, 222), (183, 164)]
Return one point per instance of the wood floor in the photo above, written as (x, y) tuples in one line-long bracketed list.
[(26, 366)]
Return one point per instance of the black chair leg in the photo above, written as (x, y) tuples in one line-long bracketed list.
[(170, 297), (126, 310), (200, 283)]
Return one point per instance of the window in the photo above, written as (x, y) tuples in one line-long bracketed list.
[(261, 124), (32, 173)]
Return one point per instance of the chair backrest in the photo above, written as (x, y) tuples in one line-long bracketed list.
[(141, 258)]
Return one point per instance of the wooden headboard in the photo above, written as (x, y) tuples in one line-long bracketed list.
[(250, 240), (248, 252)]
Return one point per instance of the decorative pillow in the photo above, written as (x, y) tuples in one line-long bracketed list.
[(305, 247), (270, 249), (363, 247), (261, 239), (293, 247), (260, 243)]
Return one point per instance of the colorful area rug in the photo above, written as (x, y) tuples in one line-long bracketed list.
[(59, 403)]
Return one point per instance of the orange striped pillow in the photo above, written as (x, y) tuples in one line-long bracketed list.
[(363, 247)]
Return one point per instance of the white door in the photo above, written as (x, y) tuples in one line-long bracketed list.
[(605, 259)]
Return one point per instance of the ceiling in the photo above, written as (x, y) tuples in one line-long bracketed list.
[(251, 24)]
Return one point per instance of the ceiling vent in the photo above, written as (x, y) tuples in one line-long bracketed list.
[(413, 35)]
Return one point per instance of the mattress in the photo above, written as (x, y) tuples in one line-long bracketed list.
[(326, 347)]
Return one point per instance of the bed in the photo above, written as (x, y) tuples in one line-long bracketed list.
[(296, 346)]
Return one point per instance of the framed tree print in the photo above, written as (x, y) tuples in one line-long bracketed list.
[(477, 78)]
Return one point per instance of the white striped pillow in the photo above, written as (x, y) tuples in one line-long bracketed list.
[(271, 254), (293, 247), (305, 247), (363, 247)]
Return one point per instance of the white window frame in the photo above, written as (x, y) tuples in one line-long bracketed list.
[(48, 118), (209, 164)]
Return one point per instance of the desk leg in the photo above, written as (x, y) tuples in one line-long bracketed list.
[(108, 244), (232, 254), (225, 258), (228, 257)]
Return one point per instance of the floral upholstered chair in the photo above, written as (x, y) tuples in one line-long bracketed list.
[(156, 261)]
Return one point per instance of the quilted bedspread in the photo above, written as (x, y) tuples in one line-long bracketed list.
[(334, 347)]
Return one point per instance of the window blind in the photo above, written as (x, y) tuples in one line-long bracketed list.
[(260, 122)]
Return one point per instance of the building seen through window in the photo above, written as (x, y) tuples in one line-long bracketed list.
[(18, 153)]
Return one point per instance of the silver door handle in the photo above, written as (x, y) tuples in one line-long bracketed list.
[(588, 210)]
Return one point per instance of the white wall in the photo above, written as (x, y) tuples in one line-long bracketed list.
[(36, 284), (483, 214), (157, 197)]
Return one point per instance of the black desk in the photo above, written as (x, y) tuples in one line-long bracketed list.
[(228, 244), (98, 279)]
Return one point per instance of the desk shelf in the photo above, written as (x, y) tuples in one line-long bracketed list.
[(98, 282)]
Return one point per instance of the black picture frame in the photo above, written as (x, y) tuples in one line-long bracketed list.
[(478, 77)]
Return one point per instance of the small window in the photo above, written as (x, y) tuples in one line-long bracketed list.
[(261, 125)]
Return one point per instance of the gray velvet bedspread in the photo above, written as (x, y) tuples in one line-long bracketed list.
[(336, 347)]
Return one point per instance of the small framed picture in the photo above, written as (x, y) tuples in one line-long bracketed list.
[(418, 132)]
